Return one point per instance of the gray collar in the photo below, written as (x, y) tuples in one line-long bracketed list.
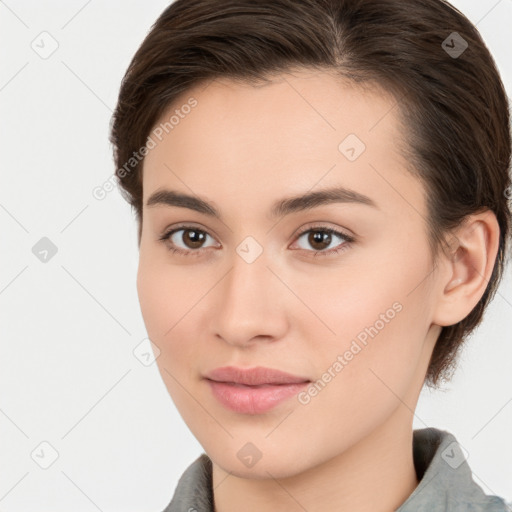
[(445, 481)]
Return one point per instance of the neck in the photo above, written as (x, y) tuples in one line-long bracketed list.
[(377, 474)]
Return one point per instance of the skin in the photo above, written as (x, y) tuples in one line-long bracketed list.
[(242, 148)]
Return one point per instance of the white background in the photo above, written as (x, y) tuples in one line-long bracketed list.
[(68, 375)]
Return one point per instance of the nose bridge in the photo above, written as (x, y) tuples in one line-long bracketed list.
[(250, 302)]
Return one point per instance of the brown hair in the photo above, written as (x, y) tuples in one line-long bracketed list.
[(454, 106)]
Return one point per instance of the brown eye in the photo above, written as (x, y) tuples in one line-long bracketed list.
[(186, 239), (193, 238), (319, 239)]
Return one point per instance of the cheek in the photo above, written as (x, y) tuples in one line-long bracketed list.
[(367, 370), (166, 298), (165, 292), (374, 319), (166, 302)]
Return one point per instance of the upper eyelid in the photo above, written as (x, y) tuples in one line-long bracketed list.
[(299, 232), (323, 227)]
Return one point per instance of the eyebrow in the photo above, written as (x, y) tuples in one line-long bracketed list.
[(281, 207)]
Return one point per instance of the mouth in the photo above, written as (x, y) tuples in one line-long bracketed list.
[(253, 390)]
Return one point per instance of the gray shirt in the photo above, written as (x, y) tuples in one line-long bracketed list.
[(445, 481)]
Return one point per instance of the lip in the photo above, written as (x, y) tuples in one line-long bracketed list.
[(254, 390), (256, 376)]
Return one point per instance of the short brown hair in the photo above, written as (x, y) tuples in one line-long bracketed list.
[(454, 107)]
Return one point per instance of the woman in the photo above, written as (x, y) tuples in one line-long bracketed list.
[(321, 189)]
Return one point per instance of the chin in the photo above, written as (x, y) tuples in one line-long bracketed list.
[(270, 464)]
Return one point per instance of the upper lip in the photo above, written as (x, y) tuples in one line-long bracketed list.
[(253, 376)]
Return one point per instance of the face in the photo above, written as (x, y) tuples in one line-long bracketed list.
[(335, 289)]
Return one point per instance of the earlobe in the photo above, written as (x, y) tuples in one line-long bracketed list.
[(467, 268)]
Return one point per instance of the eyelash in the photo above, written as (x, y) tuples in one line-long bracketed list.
[(323, 229)]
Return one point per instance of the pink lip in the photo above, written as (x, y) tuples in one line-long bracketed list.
[(253, 376), (255, 390)]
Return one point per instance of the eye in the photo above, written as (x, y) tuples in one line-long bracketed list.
[(321, 237), (191, 238)]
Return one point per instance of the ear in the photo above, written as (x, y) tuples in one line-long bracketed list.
[(467, 268)]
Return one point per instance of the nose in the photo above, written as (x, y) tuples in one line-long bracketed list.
[(250, 304)]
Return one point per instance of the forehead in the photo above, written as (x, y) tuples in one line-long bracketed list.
[(299, 130)]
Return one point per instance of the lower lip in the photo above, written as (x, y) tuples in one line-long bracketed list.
[(253, 399)]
